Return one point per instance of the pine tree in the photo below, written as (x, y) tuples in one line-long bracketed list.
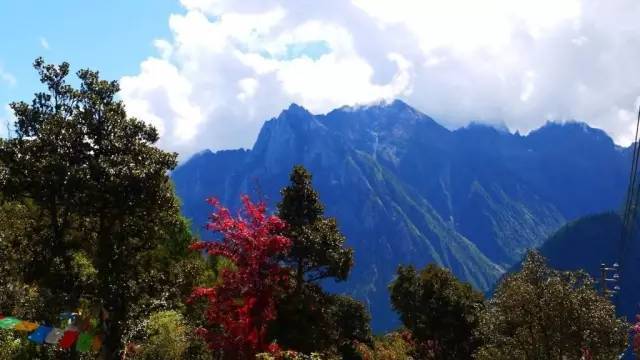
[(318, 250), (309, 319)]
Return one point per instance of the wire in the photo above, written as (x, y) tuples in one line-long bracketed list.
[(631, 200), (631, 203)]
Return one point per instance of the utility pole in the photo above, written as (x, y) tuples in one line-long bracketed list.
[(609, 275)]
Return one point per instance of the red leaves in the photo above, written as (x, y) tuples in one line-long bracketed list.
[(241, 306), (635, 333)]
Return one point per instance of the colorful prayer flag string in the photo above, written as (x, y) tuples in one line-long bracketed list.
[(84, 340)]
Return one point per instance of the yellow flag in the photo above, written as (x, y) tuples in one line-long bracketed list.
[(27, 326)]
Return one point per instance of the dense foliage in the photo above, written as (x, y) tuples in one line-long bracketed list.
[(318, 247), (241, 305), (166, 337), (541, 313), (90, 225), (309, 319), (391, 346), (592, 240), (90, 220), (440, 311)]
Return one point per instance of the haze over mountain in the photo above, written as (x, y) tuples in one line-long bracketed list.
[(407, 190)]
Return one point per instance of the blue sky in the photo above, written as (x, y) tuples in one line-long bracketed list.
[(112, 36), (208, 73)]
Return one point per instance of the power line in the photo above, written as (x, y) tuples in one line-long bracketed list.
[(631, 203), (631, 199)]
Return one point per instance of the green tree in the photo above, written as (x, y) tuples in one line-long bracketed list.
[(319, 322), (391, 346), (541, 313), (440, 311), (101, 225), (166, 335), (318, 249), (351, 320), (310, 320)]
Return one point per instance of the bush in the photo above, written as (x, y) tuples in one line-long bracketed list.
[(166, 337), (392, 346)]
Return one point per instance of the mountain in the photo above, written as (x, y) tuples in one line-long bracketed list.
[(592, 240), (407, 190)]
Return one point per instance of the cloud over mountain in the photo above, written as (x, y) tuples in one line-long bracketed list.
[(230, 65)]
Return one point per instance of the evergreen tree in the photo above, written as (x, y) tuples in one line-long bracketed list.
[(104, 226), (440, 311), (309, 320), (318, 250)]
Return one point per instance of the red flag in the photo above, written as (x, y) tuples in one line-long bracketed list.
[(70, 336)]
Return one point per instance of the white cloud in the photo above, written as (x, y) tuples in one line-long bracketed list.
[(44, 43), (164, 47), (528, 86), (248, 87), (161, 90), (6, 121), (7, 77), (228, 66)]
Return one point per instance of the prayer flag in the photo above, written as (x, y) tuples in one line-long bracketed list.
[(27, 326), (84, 342), (54, 336), (65, 315), (8, 322), (68, 338), (40, 334), (96, 344)]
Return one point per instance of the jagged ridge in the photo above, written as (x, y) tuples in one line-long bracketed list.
[(407, 190)]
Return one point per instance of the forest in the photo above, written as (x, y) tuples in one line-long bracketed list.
[(99, 263)]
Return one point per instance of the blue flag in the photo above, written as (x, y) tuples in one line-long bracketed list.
[(40, 334)]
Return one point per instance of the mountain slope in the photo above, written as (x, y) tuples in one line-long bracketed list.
[(592, 240), (407, 190)]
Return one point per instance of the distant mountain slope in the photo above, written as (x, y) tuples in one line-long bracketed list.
[(407, 190), (592, 240)]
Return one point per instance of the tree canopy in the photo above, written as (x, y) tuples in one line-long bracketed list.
[(440, 311), (92, 209), (318, 248), (309, 319), (241, 305), (541, 313)]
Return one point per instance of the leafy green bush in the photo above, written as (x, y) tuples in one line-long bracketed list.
[(166, 335), (391, 346)]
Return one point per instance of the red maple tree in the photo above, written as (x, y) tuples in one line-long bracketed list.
[(242, 304)]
